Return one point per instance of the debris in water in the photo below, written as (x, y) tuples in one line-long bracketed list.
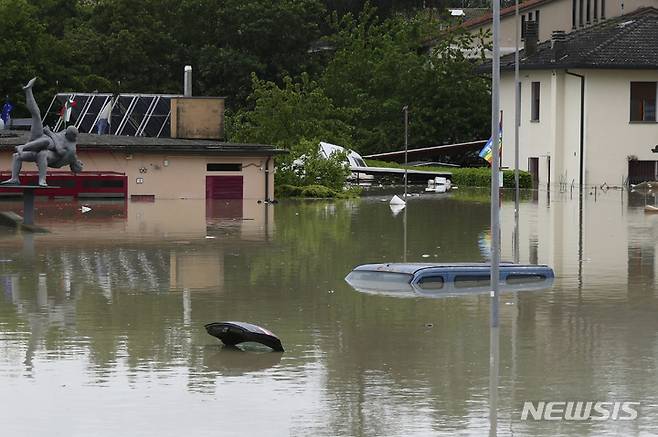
[(232, 333), (397, 201)]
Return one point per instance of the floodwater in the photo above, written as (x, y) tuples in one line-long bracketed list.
[(101, 320)]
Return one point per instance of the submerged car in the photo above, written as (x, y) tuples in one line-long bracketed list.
[(445, 279)]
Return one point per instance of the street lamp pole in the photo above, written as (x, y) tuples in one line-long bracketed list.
[(517, 124), (406, 146), (495, 224), (495, 165)]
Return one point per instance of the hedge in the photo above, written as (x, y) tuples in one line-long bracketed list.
[(467, 177)]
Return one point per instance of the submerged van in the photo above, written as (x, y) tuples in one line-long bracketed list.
[(445, 279)]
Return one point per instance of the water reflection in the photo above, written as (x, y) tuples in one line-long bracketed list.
[(112, 310)]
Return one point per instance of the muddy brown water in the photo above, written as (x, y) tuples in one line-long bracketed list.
[(101, 320)]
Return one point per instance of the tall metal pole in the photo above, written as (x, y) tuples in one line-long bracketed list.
[(406, 146), (495, 222), (404, 223), (495, 166), (517, 124)]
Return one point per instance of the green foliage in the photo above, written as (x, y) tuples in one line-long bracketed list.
[(318, 191), (380, 66), (317, 169), (284, 115), (287, 190), (305, 166), (296, 116), (269, 38), (259, 54), (468, 177), (25, 49)]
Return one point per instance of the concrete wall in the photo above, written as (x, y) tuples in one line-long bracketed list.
[(197, 117), (555, 15), (535, 137), (610, 136), (171, 176)]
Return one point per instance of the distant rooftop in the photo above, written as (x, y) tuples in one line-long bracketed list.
[(487, 17), (625, 42)]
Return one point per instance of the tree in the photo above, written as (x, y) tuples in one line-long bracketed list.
[(285, 115), (296, 116), (381, 66), (267, 37), (128, 43)]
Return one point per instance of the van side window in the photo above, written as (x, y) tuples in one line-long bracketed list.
[(524, 278), (431, 283), (466, 281)]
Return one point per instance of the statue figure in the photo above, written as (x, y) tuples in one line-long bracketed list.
[(45, 148)]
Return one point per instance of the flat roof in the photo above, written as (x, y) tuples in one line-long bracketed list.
[(9, 138)]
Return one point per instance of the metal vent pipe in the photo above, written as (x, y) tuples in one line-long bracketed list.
[(187, 81)]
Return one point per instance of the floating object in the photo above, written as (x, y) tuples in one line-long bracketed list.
[(396, 209), (446, 279), (85, 209), (232, 333), (397, 201), (438, 185), (651, 209)]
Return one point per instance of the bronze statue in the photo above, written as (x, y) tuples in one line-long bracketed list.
[(45, 148)]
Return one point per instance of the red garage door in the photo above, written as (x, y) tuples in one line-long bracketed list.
[(223, 187)]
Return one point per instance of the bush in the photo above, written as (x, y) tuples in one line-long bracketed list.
[(287, 190), (318, 191), (306, 166)]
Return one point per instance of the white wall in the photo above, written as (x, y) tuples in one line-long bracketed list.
[(555, 15), (535, 138), (610, 137), (569, 173)]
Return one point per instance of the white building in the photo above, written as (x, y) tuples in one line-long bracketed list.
[(588, 104)]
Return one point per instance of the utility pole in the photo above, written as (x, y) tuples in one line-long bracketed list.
[(406, 146), (517, 124), (495, 224)]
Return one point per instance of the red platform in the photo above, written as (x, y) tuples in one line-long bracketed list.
[(65, 183)]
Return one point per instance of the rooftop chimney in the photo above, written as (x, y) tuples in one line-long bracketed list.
[(531, 38), (187, 81), (558, 43)]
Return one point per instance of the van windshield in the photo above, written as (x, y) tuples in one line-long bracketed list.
[(383, 281)]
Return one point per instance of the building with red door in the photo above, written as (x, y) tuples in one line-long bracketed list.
[(197, 166), (156, 168)]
